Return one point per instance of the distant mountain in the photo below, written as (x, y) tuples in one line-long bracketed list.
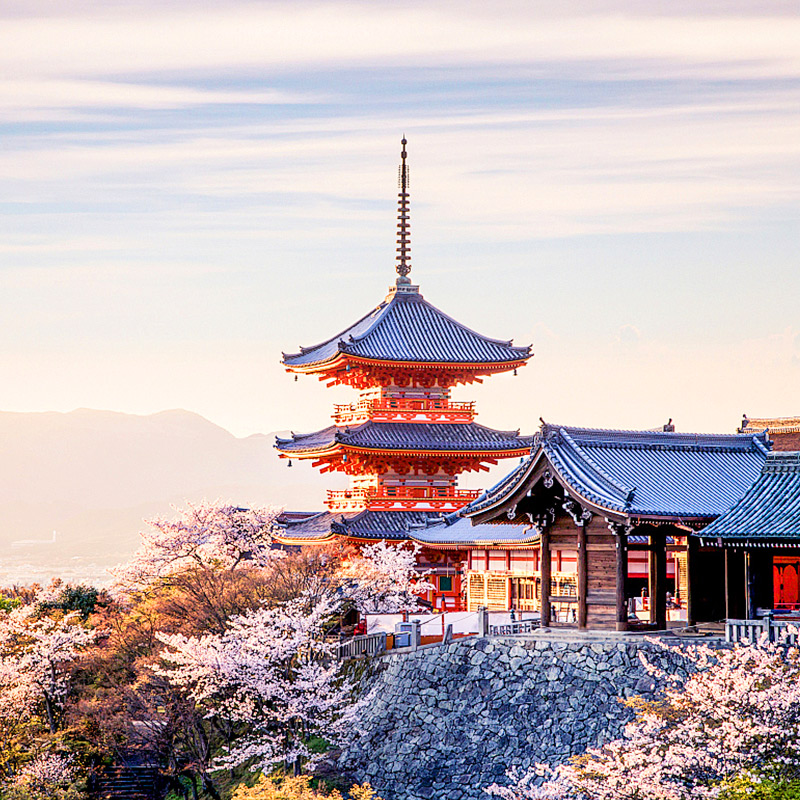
[(92, 476)]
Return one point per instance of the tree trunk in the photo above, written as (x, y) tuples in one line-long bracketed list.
[(51, 721), (208, 785)]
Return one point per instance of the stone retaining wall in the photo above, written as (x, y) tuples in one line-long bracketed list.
[(444, 722)]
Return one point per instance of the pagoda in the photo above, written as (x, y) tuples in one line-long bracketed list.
[(404, 441)]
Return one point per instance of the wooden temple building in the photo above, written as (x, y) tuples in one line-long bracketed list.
[(600, 505), (404, 441), (783, 431), (601, 529), (758, 541)]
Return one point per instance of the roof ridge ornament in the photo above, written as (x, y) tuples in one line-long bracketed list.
[(403, 266)]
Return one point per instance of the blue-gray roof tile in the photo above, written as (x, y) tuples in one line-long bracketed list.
[(771, 507), (408, 436), (406, 328), (642, 473), (425, 527)]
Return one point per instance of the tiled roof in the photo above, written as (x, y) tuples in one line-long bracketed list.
[(771, 507), (425, 527), (456, 530), (406, 328), (316, 528), (642, 473), (777, 425), (503, 488), (360, 524), (408, 436)]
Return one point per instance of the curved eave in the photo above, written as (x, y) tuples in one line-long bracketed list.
[(341, 359), (747, 541), (437, 452), (304, 540), (364, 538), (518, 487), (526, 543), (340, 448), (333, 449), (588, 500)]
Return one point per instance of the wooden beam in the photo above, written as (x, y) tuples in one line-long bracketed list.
[(622, 574), (691, 568), (546, 572), (658, 598), (671, 548), (582, 575), (749, 599)]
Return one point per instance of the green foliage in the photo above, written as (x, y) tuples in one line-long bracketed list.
[(749, 787), (83, 599), (9, 603), (20, 793)]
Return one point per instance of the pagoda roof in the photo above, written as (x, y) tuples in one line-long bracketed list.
[(407, 436), (770, 509), (645, 474), (424, 527), (405, 328)]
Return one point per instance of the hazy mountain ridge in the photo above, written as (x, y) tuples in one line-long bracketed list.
[(92, 476)]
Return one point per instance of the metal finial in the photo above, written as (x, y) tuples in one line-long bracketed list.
[(403, 220)]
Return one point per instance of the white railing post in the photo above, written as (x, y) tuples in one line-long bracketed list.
[(483, 621), (767, 623)]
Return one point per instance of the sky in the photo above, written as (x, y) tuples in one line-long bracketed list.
[(189, 189)]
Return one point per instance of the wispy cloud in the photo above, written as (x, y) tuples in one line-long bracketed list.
[(192, 169), (153, 38), (21, 98)]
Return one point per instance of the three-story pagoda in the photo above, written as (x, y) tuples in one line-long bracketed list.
[(404, 442)]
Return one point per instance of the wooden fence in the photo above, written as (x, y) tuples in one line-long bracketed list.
[(369, 645), (518, 628), (751, 630)]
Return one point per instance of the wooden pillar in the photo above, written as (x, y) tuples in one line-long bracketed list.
[(582, 576), (652, 580), (658, 602), (692, 544), (546, 571), (729, 585), (622, 576), (749, 599)]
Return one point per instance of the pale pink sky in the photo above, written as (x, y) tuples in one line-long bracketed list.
[(191, 188)]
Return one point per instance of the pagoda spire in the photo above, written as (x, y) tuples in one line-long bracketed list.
[(403, 220)]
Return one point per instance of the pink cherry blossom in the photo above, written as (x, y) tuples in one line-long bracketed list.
[(737, 713)]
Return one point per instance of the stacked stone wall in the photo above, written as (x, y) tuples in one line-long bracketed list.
[(444, 722)]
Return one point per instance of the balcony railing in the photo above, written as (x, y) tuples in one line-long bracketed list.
[(384, 497), (387, 408)]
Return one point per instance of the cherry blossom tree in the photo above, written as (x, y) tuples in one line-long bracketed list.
[(204, 566), (37, 651), (205, 535), (384, 579), (46, 777), (737, 713), (271, 673)]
